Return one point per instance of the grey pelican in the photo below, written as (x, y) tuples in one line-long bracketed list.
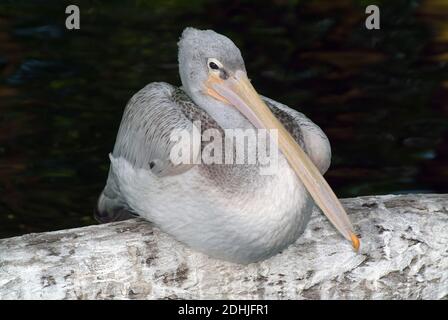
[(228, 211)]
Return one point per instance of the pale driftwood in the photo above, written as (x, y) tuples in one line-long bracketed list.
[(404, 255)]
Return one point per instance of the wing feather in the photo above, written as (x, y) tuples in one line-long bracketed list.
[(144, 137), (144, 140), (306, 133)]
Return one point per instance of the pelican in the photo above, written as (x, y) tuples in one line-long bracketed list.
[(227, 211)]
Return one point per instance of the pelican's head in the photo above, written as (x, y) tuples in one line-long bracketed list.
[(204, 55), (211, 67)]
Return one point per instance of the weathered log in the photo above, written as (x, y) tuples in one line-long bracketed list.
[(404, 255)]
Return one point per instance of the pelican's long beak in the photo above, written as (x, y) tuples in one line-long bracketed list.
[(239, 92)]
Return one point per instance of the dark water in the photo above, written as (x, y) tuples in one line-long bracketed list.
[(381, 96)]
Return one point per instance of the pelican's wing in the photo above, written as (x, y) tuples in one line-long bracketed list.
[(306, 133), (145, 141), (150, 119)]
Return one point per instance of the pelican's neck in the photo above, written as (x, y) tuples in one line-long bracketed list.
[(225, 115)]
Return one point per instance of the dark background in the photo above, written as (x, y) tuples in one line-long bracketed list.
[(379, 95)]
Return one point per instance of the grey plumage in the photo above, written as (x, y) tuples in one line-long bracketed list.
[(144, 135), (143, 139), (193, 62), (227, 210), (111, 205)]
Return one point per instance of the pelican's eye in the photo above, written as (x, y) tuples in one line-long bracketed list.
[(214, 65)]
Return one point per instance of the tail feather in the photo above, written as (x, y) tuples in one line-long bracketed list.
[(109, 210), (111, 206)]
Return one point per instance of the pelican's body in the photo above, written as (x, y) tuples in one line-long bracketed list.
[(228, 211)]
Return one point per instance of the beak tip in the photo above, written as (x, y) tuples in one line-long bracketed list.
[(355, 242)]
